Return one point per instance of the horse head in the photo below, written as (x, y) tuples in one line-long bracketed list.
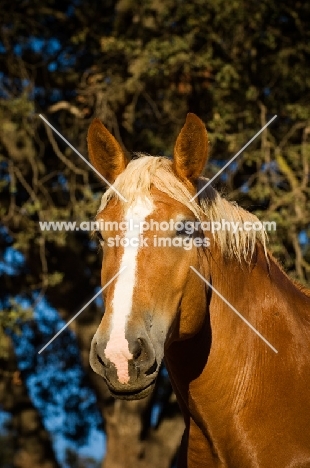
[(149, 241)]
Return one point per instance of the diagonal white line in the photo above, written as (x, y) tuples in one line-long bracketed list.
[(232, 159), (235, 310), (82, 157), (83, 308)]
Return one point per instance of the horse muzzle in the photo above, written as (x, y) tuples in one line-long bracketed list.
[(129, 376)]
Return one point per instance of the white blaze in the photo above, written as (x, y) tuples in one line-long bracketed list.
[(117, 349)]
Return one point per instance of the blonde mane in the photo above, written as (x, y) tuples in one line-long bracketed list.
[(147, 171)]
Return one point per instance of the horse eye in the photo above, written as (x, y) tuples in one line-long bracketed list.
[(182, 232), (186, 230), (99, 236)]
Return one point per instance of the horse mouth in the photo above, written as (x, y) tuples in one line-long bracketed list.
[(132, 394)]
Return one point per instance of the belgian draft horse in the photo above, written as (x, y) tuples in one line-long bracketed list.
[(244, 405)]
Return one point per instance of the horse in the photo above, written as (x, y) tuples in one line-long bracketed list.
[(164, 277)]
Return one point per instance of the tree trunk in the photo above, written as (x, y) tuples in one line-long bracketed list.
[(126, 446)]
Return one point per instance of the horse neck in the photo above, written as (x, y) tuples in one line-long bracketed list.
[(226, 357), (223, 374), (247, 289), (260, 291), (264, 295), (278, 310)]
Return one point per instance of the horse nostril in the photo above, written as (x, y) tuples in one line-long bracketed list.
[(152, 369), (143, 357), (101, 361), (137, 350)]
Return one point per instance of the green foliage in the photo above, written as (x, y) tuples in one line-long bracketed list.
[(12, 319)]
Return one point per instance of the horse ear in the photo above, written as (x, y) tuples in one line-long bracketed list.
[(191, 149), (105, 153)]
